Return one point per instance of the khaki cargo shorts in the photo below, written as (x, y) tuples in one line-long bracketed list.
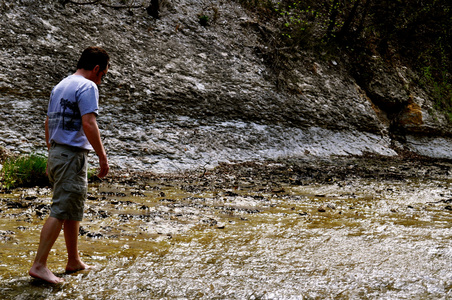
[(68, 173)]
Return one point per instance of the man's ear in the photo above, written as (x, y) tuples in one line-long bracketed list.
[(96, 69)]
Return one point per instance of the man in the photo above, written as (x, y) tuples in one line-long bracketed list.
[(71, 131)]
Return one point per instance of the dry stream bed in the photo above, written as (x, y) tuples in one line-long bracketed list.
[(344, 228)]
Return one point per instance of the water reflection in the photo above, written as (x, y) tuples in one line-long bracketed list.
[(354, 240)]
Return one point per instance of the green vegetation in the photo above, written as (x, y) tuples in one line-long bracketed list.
[(415, 33), (92, 173), (440, 89), (26, 170), (298, 20), (203, 20)]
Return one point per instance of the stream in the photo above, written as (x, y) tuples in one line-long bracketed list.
[(246, 234), (228, 180)]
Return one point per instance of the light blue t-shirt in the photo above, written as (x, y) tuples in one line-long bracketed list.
[(72, 98)]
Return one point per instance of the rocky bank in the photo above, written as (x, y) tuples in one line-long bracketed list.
[(181, 95)]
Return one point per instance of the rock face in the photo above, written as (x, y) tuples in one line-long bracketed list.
[(182, 95)]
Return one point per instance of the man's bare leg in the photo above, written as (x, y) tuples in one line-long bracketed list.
[(49, 234), (74, 262)]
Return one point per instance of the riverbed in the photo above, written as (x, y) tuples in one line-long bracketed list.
[(343, 228)]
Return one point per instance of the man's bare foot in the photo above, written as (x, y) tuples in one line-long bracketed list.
[(79, 266), (44, 274)]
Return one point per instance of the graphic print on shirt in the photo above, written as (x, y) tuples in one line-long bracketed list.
[(71, 118)]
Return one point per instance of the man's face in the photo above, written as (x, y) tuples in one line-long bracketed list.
[(100, 75)]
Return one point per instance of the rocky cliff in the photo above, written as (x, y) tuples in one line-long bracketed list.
[(181, 94)]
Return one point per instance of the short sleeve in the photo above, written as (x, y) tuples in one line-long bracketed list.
[(88, 99)]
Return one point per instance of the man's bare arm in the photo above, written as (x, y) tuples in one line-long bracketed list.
[(91, 130), (47, 133)]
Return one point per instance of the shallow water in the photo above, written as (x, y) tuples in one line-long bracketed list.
[(357, 239)]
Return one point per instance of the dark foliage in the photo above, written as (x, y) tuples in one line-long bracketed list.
[(416, 33)]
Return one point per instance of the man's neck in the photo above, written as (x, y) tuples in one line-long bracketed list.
[(83, 72), (88, 74)]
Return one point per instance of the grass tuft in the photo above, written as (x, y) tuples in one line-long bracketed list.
[(24, 171)]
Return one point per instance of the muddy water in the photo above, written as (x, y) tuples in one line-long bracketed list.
[(164, 239)]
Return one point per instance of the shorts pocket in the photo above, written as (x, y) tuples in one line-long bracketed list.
[(74, 188), (82, 165)]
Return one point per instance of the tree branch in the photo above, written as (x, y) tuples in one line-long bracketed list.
[(104, 4), (84, 3)]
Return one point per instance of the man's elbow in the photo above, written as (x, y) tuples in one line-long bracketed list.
[(89, 121)]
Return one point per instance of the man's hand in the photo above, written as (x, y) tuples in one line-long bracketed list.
[(92, 133), (104, 167)]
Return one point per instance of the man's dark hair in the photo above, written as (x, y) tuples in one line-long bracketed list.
[(93, 56)]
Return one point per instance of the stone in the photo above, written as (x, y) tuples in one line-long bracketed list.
[(181, 96)]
